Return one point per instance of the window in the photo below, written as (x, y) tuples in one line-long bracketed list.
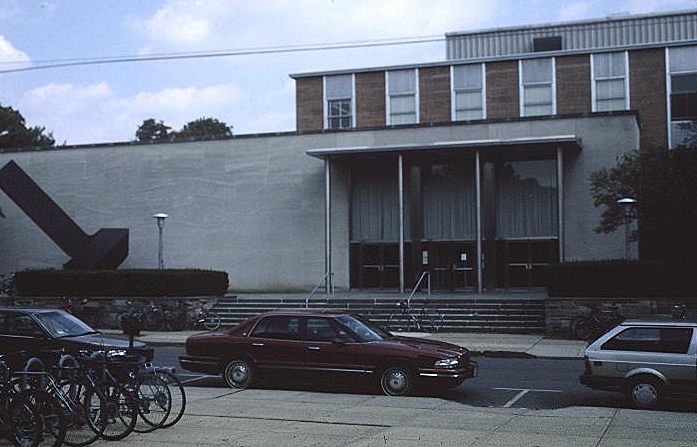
[(468, 92), (610, 85), (338, 101), (402, 97), (651, 339), (537, 88), (279, 327), (322, 329), (682, 87)]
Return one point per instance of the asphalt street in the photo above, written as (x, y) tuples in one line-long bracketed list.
[(529, 383)]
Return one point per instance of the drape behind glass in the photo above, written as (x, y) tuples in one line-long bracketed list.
[(375, 203), (526, 203), (449, 202)]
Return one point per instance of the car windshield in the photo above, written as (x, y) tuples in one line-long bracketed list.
[(364, 329), (61, 324)]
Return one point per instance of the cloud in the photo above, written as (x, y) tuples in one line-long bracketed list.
[(9, 55), (104, 116), (574, 11)]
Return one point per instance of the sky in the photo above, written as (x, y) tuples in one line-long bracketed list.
[(253, 93)]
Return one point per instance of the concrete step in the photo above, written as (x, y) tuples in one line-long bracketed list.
[(459, 315)]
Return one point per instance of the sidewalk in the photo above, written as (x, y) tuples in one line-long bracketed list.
[(491, 344)]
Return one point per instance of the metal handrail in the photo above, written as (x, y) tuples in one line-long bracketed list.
[(319, 284), (427, 274)]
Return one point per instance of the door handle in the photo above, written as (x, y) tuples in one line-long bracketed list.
[(313, 348), (257, 344)]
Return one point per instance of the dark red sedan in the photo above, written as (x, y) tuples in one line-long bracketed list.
[(315, 346)]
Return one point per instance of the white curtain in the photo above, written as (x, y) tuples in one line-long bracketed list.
[(449, 202), (526, 204), (375, 203)]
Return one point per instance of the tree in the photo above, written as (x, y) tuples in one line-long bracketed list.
[(204, 129), (151, 131), (14, 132), (665, 185)]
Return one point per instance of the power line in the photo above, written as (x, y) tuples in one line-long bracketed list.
[(61, 63)]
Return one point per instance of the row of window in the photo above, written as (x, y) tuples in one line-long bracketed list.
[(537, 90)]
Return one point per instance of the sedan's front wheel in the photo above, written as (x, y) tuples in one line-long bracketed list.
[(238, 374), (396, 381)]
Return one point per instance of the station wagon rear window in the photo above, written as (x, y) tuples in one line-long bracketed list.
[(651, 339)]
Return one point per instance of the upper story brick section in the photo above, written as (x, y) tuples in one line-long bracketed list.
[(573, 84), (502, 100), (434, 95), (308, 103), (370, 99), (647, 95)]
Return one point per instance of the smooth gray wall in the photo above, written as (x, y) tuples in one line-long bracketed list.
[(254, 206)]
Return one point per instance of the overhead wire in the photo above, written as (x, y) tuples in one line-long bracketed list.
[(73, 62)]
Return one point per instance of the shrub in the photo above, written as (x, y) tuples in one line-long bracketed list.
[(621, 279), (168, 282)]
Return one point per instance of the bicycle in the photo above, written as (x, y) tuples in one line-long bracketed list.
[(9, 292), (408, 318), (194, 317), (601, 319), (92, 315)]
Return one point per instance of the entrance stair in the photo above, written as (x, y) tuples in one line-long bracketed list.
[(503, 312)]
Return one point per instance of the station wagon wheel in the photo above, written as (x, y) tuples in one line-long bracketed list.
[(238, 374), (396, 381), (645, 392)]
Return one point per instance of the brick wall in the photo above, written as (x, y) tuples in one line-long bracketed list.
[(502, 99), (434, 95), (647, 95), (370, 99), (573, 84), (308, 104)]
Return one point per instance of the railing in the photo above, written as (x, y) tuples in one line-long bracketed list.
[(319, 284), (427, 275)]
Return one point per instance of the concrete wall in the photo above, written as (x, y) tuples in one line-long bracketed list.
[(254, 206)]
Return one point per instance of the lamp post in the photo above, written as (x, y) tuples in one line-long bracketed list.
[(627, 204), (160, 217)]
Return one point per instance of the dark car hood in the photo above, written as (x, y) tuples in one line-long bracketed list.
[(100, 340), (433, 347)]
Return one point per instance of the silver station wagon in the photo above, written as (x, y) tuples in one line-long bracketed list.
[(645, 359)]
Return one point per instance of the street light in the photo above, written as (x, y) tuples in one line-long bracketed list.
[(627, 204), (160, 225)]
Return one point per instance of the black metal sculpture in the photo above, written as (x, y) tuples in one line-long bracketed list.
[(106, 249)]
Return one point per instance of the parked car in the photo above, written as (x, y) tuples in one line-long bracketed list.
[(645, 359), (37, 330), (329, 346)]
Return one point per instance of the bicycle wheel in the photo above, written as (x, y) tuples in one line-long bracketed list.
[(53, 421), (83, 412), (583, 328), (211, 321), (175, 320), (154, 402), (151, 320), (177, 394), (430, 320), (121, 414), (24, 424), (399, 322)]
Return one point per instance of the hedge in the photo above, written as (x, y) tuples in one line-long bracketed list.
[(168, 282), (621, 279)]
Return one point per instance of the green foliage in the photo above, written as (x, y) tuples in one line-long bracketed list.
[(621, 279), (665, 185), (204, 129), (134, 283), (14, 132), (199, 129), (151, 131)]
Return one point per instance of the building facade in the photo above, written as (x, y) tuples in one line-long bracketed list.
[(475, 169), (490, 210)]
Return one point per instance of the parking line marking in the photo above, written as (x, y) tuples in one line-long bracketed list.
[(522, 393), (515, 399)]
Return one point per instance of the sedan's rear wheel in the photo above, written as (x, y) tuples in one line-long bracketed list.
[(238, 374), (396, 381), (645, 392)]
